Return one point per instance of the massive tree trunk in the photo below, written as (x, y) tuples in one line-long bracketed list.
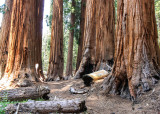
[(4, 36), (89, 33), (105, 27), (38, 43), (56, 53), (136, 66), (70, 46), (22, 38), (98, 35), (81, 39)]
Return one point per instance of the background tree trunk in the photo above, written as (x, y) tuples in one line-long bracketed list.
[(86, 65), (105, 27), (70, 46), (38, 49), (98, 35), (81, 39), (137, 53), (56, 53), (4, 36), (22, 38)]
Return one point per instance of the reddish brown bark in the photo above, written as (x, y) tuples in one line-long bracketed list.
[(98, 35), (105, 25), (81, 39), (4, 36), (89, 36), (22, 38), (70, 46), (137, 53), (38, 49), (56, 61)]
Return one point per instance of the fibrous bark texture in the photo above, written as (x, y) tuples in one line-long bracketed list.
[(23, 35), (17, 94), (137, 53), (98, 36), (4, 36), (89, 32), (45, 107), (70, 46), (38, 42), (56, 51), (81, 38)]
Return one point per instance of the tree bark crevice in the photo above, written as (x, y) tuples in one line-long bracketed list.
[(137, 52)]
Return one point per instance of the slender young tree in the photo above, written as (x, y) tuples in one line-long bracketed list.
[(81, 39), (22, 37), (70, 45), (56, 61), (4, 36), (98, 36), (136, 66)]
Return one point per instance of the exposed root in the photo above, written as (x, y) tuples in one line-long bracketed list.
[(135, 86), (49, 79), (111, 85)]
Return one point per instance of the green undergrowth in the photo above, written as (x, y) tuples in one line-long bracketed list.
[(5, 102)]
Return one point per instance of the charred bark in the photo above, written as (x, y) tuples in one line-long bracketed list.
[(56, 61), (98, 35), (90, 40), (136, 66)]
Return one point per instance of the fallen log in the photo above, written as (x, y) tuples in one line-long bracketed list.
[(92, 77), (45, 107), (25, 93)]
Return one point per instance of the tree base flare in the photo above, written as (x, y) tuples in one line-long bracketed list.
[(110, 87), (114, 85)]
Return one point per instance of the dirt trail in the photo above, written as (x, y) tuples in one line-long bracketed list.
[(98, 103)]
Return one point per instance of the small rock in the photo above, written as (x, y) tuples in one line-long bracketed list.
[(140, 108)]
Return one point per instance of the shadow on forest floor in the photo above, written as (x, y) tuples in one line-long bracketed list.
[(98, 103)]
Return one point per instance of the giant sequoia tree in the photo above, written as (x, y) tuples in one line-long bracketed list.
[(4, 36), (23, 35), (38, 42), (98, 36), (81, 38), (137, 59), (70, 45), (56, 61)]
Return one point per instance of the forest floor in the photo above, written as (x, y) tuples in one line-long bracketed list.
[(98, 103)]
